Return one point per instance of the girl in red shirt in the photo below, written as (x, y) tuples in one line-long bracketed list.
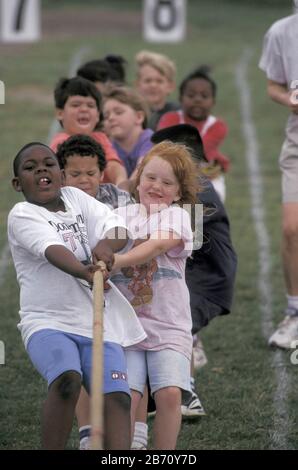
[(197, 94)]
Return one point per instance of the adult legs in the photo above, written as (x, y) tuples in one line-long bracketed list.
[(287, 331), (290, 246)]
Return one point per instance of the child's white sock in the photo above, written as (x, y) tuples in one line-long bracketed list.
[(192, 384), (140, 438)]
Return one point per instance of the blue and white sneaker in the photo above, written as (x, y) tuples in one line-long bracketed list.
[(85, 443), (193, 407)]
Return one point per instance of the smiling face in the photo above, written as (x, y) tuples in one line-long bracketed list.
[(154, 86), (197, 99), (83, 173), (121, 120), (80, 115), (158, 187), (39, 177)]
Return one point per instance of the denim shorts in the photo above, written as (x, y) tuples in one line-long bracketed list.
[(54, 352), (165, 368)]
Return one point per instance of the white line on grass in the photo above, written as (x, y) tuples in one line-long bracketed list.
[(281, 418), (54, 128), (4, 262)]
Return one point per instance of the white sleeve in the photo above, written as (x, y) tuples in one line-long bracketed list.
[(28, 229), (122, 213), (99, 218), (271, 61)]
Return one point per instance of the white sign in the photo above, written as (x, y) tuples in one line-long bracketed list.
[(2, 353), (20, 20), (2, 92), (164, 20)]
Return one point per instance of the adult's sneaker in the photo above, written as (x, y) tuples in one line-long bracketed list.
[(286, 333), (193, 407)]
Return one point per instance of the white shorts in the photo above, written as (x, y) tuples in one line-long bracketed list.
[(288, 162), (165, 368)]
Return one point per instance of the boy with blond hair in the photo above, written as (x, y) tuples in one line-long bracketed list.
[(155, 82)]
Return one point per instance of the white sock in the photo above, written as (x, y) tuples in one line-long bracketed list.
[(292, 301), (85, 431), (140, 438)]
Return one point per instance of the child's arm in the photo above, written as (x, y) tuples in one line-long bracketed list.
[(158, 243), (115, 172), (115, 241), (62, 258)]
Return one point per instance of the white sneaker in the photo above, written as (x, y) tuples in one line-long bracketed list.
[(286, 333), (85, 443), (138, 446), (199, 356), (193, 408)]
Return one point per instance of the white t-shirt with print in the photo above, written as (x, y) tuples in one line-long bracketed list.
[(158, 291), (49, 297)]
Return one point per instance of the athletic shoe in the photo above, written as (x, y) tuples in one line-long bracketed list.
[(199, 356), (286, 333), (193, 407), (138, 446), (85, 443)]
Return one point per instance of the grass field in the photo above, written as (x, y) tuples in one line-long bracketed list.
[(238, 387)]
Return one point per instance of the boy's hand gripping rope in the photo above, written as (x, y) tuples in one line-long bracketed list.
[(97, 422)]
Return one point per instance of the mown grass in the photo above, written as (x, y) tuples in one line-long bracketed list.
[(237, 386)]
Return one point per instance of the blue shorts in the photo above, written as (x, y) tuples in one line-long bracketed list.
[(54, 352)]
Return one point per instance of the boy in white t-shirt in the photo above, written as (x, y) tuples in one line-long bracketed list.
[(51, 236)]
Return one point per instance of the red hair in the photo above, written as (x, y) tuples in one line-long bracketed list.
[(184, 168)]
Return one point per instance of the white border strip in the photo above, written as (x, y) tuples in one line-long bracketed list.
[(279, 435)]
